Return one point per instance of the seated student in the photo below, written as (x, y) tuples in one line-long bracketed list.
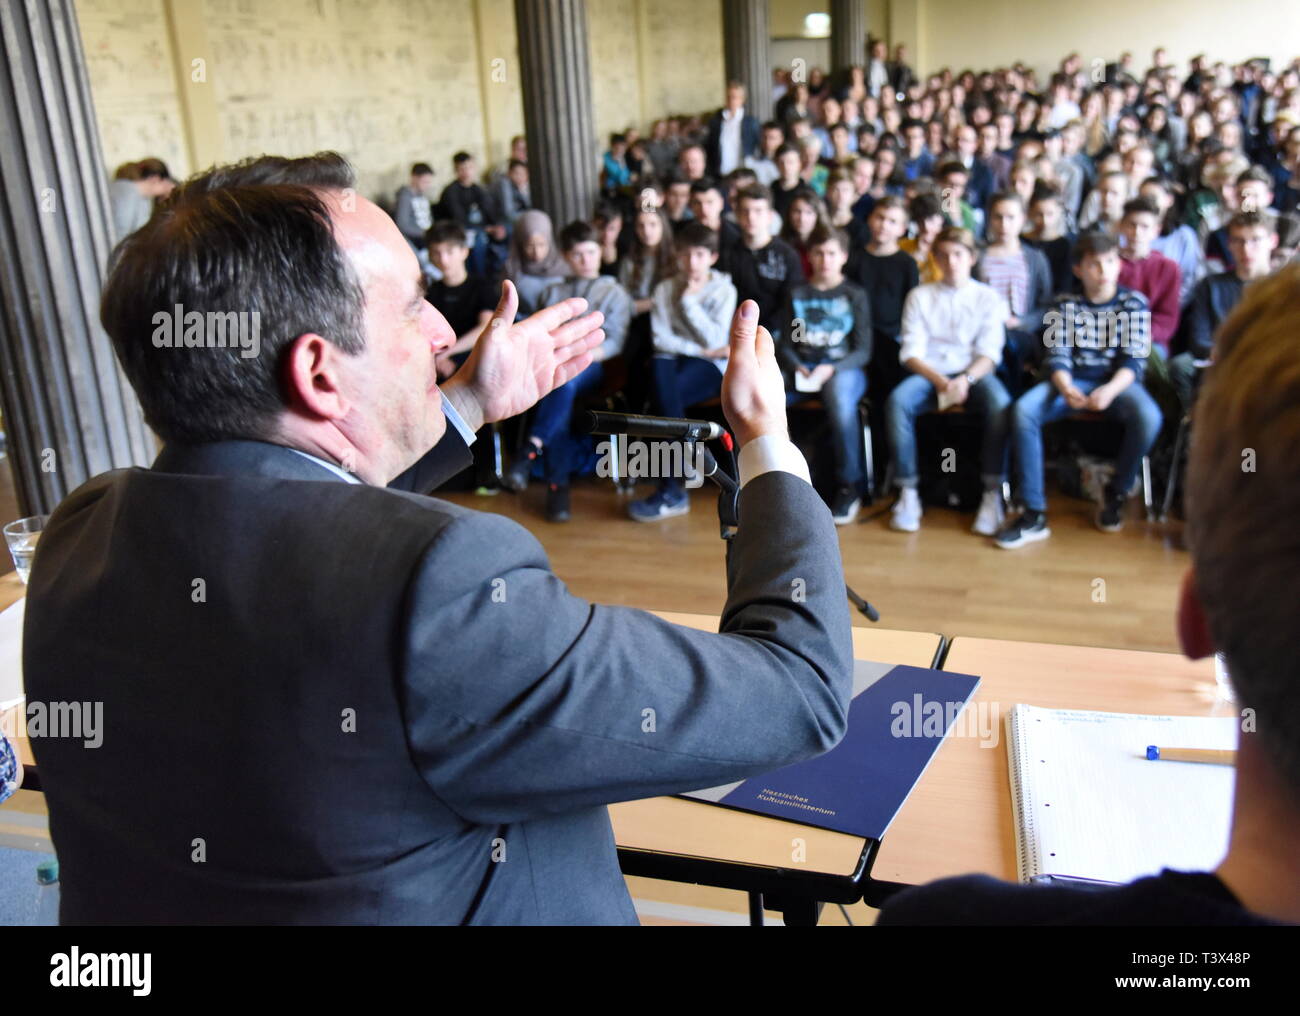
[(1097, 347), (1253, 238), (951, 176), (926, 213), (811, 171), (1021, 276), (952, 337), (1244, 558), (1048, 235), (864, 178), (1177, 240), (466, 301), (689, 329), (533, 264), (608, 220), (511, 192), (840, 198), (1254, 193), (614, 171), (1104, 207), (804, 212), (465, 200), (823, 345), (1288, 239), (412, 211), (707, 206), (1158, 279), (887, 274), (651, 258), (677, 201), (733, 183), (763, 161), (764, 268), (692, 162), (917, 159), (549, 433), (842, 151)]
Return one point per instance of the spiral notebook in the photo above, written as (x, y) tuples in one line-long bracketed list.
[(1088, 805)]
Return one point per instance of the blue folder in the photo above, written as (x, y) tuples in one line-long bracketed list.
[(898, 718)]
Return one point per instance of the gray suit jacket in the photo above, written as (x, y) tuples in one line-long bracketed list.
[(335, 703)]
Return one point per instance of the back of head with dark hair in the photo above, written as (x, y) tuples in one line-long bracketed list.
[(924, 206), (577, 232), (255, 238), (697, 234)]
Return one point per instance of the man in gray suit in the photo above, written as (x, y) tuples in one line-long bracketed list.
[(327, 698)]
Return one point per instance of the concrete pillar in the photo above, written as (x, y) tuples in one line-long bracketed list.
[(747, 46)]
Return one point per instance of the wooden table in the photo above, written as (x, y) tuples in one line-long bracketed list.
[(794, 866), (959, 818)]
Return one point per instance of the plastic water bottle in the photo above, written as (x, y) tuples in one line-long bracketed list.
[(47, 905)]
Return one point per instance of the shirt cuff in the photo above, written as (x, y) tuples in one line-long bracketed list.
[(771, 452), (454, 419)]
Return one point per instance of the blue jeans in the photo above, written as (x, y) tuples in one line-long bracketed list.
[(681, 381), (914, 395), (841, 395), (552, 421), (1042, 404)]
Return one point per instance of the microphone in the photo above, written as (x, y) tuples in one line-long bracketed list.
[(668, 429)]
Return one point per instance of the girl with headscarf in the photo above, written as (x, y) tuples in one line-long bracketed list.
[(534, 262)]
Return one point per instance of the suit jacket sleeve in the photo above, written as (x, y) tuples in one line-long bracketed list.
[(440, 463), (522, 700)]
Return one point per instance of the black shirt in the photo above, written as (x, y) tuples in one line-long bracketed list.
[(461, 305), (1170, 898), (887, 279), (766, 276)]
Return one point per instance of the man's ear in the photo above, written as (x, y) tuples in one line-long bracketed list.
[(1193, 629), (313, 378)]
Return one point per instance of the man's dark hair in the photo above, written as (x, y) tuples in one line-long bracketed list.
[(706, 184), (1256, 174), (422, 169), (460, 157), (252, 237), (446, 231), (1009, 197), (617, 139), (1141, 206), (909, 123), (697, 234), (516, 164), (785, 149), (577, 232), (772, 125), (1093, 242), (949, 167)]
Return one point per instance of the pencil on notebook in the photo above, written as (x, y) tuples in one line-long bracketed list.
[(1214, 756)]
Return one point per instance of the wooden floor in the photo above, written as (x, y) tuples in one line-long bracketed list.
[(1080, 587)]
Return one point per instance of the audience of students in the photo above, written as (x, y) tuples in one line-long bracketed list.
[(1160, 164)]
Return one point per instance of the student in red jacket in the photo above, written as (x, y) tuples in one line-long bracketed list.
[(1160, 280)]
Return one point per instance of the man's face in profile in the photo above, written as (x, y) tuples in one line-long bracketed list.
[(396, 409)]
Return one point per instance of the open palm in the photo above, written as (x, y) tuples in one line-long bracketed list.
[(516, 363)]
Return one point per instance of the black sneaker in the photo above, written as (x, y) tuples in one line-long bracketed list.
[(845, 506), (557, 502), (1110, 516), (1029, 527), (516, 477)]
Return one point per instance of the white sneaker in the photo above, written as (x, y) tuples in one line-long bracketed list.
[(906, 517), (991, 516)]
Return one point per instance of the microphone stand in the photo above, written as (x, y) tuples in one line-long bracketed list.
[(729, 511)]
